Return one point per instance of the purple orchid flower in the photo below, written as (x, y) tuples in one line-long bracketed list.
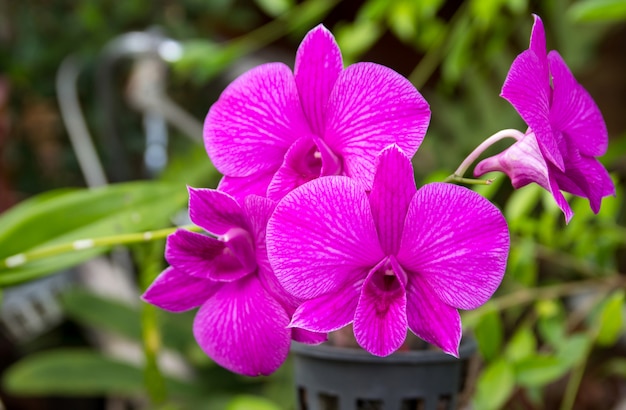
[(244, 312), (272, 130), (566, 129), (398, 258)]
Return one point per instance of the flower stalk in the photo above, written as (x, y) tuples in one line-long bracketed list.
[(457, 176), (20, 259)]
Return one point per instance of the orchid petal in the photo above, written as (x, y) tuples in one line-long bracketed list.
[(431, 319), (240, 187), (538, 39), (318, 64), (307, 337), (370, 108), (298, 167), (243, 328), (523, 162), (328, 312), (176, 291), (586, 177), (527, 88), (380, 320), (204, 257), (255, 120), (393, 188), (574, 112), (457, 241), (259, 210), (215, 211), (560, 199), (321, 236)]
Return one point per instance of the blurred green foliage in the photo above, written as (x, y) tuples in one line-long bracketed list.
[(562, 299)]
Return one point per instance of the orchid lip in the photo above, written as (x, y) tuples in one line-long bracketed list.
[(239, 244)]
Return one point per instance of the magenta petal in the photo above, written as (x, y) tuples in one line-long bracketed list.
[(203, 257), (587, 178), (243, 328), (215, 211), (527, 88), (538, 37), (299, 166), (321, 236), (176, 291), (574, 112), (560, 199), (318, 64), (430, 318), (255, 120), (307, 337), (457, 241), (259, 211), (370, 108), (523, 162), (240, 187), (329, 312), (394, 186), (380, 320)]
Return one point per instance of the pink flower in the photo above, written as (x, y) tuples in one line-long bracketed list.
[(272, 130), (398, 258), (244, 312), (566, 129)]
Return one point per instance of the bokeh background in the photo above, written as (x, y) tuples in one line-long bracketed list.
[(135, 79)]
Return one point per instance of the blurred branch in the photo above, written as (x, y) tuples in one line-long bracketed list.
[(89, 243), (72, 115), (528, 295), (438, 50)]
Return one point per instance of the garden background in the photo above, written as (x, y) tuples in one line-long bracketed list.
[(552, 337)]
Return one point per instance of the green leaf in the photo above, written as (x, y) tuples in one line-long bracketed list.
[(403, 19), (489, 333), (551, 322), (521, 203), (574, 349), (249, 402), (616, 366), (522, 345), (354, 39), (598, 10), (66, 216), (538, 370), (79, 372), (494, 386), (110, 315), (611, 319), (274, 8), (522, 264), (102, 313)]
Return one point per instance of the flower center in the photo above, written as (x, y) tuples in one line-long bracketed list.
[(240, 245)]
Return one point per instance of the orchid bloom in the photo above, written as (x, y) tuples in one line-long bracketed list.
[(396, 258), (566, 129), (244, 312), (272, 130)]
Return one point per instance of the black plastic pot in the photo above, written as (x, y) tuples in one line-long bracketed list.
[(337, 378)]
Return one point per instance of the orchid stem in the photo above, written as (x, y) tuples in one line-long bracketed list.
[(478, 151), (88, 243), (469, 181)]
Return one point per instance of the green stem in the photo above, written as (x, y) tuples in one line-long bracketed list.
[(470, 181), (88, 243), (149, 261)]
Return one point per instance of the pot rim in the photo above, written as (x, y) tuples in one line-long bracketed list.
[(351, 354)]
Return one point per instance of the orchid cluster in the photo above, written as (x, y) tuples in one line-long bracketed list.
[(318, 224)]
